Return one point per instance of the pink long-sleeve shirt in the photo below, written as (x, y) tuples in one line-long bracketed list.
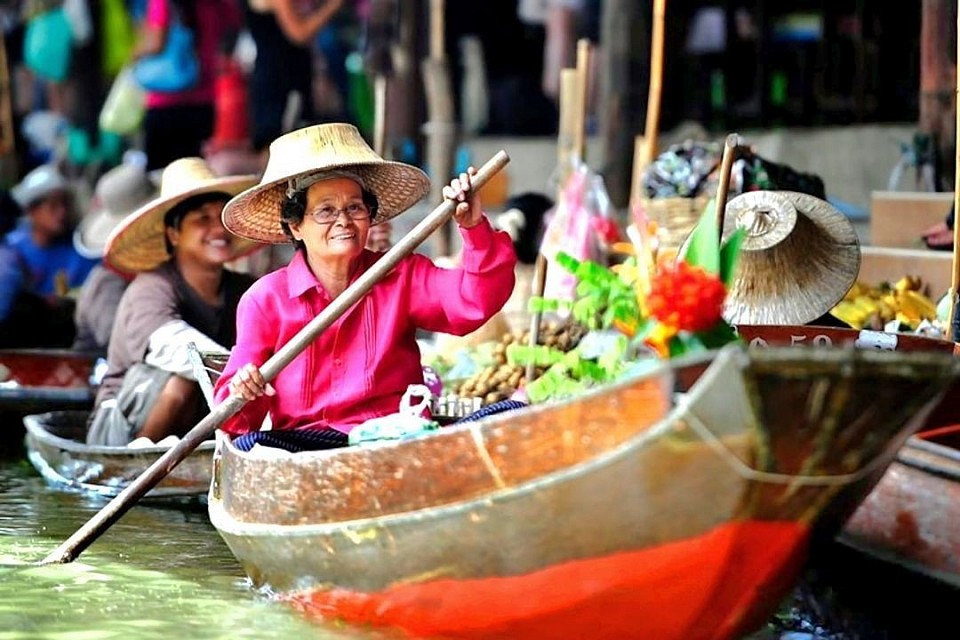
[(361, 365)]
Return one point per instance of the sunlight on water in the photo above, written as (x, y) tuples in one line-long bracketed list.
[(157, 573)]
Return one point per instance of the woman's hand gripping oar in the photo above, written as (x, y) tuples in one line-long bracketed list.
[(112, 511)]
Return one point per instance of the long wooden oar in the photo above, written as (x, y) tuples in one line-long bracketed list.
[(112, 511)]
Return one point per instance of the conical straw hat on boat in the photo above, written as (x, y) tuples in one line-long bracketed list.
[(255, 213), (800, 257), (137, 244)]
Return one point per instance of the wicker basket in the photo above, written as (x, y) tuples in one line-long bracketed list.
[(675, 218)]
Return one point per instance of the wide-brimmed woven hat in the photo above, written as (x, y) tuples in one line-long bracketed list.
[(255, 213), (800, 257), (119, 192), (138, 243)]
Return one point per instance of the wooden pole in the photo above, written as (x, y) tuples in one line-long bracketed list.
[(567, 132), (636, 173), (582, 99), (953, 320), (380, 115), (539, 285), (101, 521), (437, 30), (440, 129), (7, 135), (723, 186), (655, 90), (937, 71)]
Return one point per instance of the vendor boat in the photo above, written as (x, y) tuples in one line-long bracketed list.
[(629, 511), (40, 379), (911, 518), (56, 448)]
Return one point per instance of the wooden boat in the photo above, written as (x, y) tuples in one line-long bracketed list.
[(56, 448), (624, 510), (911, 518), (37, 380)]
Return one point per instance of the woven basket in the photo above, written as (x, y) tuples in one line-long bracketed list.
[(675, 218)]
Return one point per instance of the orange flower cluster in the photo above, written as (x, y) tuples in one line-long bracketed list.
[(686, 298)]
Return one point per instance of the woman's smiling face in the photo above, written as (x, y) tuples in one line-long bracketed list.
[(335, 222)]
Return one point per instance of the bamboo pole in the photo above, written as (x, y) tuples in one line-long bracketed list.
[(437, 30), (380, 115), (567, 131), (636, 173), (953, 324), (440, 128), (582, 99), (539, 285), (7, 135), (723, 187), (655, 89)]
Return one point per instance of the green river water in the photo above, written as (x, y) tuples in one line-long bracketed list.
[(159, 572)]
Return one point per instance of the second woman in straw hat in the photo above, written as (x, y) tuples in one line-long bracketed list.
[(322, 189), (182, 293)]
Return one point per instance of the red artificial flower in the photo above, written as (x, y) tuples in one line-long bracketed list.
[(686, 298)]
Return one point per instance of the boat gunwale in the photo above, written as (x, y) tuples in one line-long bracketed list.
[(220, 518), (930, 457), (34, 428)]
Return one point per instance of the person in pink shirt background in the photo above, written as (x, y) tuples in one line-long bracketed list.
[(323, 188), (176, 124)]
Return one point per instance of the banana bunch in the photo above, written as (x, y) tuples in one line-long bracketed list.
[(866, 307)]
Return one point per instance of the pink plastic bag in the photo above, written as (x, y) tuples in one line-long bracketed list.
[(581, 226)]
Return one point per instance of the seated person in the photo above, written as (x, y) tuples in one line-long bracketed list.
[(44, 240), (323, 189), (181, 294), (27, 320), (118, 193)]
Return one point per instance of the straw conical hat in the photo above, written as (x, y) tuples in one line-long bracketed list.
[(138, 243), (800, 257), (255, 213)]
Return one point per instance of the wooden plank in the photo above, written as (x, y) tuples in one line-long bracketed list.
[(887, 264), (898, 218)]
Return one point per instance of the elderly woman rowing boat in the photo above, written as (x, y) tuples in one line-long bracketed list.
[(323, 189)]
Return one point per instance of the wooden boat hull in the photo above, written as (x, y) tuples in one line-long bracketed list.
[(55, 448), (912, 517), (616, 512)]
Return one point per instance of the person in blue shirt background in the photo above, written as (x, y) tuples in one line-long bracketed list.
[(27, 320), (43, 240)]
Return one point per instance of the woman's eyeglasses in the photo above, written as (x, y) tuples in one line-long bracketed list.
[(329, 215)]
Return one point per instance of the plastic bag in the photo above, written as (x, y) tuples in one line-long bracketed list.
[(580, 226), (119, 37), (78, 16), (407, 423), (176, 68), (47, 45), (124, 107)]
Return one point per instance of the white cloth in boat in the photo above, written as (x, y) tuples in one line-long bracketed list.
[(168, 347)]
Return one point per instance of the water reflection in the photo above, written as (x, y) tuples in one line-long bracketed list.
[(159, 572)]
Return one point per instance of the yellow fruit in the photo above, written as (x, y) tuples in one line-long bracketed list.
[(918, 305)]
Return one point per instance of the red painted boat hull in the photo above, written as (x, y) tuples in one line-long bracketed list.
[(710, 587)]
